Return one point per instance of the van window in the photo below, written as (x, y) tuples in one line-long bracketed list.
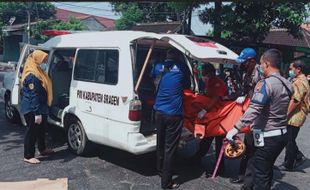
[(99, 66)]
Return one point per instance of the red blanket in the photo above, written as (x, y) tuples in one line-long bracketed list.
[(217, 121)]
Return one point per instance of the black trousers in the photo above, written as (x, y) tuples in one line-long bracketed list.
[(34, 133), (249, 152), (246, 164), (261, 165), (169, 130), (204, 147), (292, 150)]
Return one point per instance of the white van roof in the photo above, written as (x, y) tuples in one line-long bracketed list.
[(96, 39), (196, 48)]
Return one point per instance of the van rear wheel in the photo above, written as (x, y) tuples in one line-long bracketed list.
[(76, 137)]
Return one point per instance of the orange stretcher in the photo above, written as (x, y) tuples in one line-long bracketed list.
[(217, 121)]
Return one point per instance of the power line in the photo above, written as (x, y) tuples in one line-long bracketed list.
[(95, 8), (86, 7)]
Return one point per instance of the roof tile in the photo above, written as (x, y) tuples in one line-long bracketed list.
[(64, 15)]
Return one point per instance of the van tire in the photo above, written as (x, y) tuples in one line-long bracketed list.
[(77, 140), (11, 113)]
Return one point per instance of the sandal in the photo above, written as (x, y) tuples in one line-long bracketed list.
[(32, 161), (173, 185), (47, 152)]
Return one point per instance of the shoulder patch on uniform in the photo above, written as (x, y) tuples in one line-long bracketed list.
[(31, 86), (260, 95)]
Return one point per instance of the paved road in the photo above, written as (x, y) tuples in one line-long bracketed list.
[(108, 168)]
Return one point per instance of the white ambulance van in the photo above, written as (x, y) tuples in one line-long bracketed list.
[(101, 84)]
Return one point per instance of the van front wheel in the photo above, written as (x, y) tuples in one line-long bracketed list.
[(76, 137), (11, 114)]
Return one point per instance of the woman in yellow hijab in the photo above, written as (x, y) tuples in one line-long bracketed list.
[(36, 98)]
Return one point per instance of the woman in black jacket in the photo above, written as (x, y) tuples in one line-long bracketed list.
[(36, 99)]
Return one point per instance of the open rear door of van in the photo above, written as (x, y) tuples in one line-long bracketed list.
[(201, 49), (194, 47)]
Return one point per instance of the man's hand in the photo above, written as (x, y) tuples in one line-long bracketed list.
[(240, 100), (38, 119), (231, 134), (202, 113)]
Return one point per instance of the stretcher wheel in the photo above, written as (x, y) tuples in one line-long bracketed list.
[(234, 152)]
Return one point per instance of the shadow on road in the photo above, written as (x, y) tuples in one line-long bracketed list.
[(146, 164), (282, 185), (304, 166), (12, 137)]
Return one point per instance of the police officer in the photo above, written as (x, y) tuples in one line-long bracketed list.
[(250, 76), (36, 98), (174, 77), (267, 113)]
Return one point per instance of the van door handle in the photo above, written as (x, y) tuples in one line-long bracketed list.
[(88, 107)]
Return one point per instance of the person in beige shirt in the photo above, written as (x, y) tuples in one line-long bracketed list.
[(297, 113)]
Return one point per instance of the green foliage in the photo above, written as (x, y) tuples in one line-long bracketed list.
[(41, 12), (251, 20), (72, 24), (291, 15), (38, 10), (41, 25), (131, 15), (145, 12)]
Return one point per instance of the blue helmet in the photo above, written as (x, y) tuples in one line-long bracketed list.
[(247, 53)]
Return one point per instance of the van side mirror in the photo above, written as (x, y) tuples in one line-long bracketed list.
[(12, 64)]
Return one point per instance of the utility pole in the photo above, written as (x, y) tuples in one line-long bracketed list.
[(188, 29), (217, 20), (28, 24)]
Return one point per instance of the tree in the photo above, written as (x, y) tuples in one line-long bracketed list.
[(41, 25), (19, 11), (145, 12), (186, 8), (72, 24), (42, 13), (251, 20), (38, 10), (130, 16)]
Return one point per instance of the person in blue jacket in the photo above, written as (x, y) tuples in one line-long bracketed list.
[(174, 77), (36, 97)]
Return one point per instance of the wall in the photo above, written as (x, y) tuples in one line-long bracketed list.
[(11, 49)]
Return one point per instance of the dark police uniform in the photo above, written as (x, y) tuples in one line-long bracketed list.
[(33, 102), (267, 113), (169, 115)]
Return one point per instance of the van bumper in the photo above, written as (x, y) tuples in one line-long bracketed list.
[(140, 144)]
